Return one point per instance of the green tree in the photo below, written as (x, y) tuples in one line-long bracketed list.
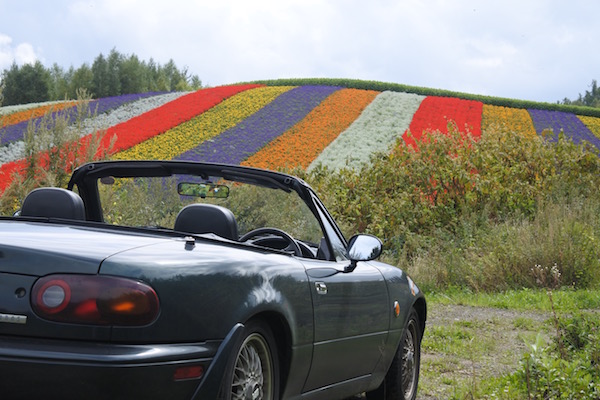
[(113, 79), (100, 77), (112, 75), (26, 84), (590, 98), (83, 78), (133, 75), (59, 86)]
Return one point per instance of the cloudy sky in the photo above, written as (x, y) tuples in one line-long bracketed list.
[(543, 50)]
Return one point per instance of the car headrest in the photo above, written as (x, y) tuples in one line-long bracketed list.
[(51, 202), (207, 218)]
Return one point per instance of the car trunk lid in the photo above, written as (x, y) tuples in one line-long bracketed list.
[(37, 249), (29, 250)]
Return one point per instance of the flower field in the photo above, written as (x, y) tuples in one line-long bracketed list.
[(280, 126)]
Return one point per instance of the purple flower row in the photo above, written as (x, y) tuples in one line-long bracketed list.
[(238, 143), (558, 121), (12, 133)]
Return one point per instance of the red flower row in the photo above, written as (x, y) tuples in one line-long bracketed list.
[(435, 113)]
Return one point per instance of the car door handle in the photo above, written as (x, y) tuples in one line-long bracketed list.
[(321, 287)]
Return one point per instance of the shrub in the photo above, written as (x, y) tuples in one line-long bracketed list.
[(567, 367), (481, 214)]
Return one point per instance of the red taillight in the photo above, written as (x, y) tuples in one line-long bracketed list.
[(189, 372), (93, 299)]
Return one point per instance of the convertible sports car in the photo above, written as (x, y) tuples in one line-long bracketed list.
[(178, 280)]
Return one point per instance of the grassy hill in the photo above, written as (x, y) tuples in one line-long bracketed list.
[(299, 123)]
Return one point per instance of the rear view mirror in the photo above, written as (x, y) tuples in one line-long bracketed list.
[(203, 190)]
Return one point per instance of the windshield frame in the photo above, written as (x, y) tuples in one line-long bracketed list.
[(85, 179)]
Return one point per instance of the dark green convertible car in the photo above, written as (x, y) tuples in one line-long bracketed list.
[(177, 280)]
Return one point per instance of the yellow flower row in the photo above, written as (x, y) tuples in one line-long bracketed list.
[(496, 118), (207, 125), (593, 124)]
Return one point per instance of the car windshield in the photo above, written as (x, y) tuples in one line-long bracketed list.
[(155, 202)]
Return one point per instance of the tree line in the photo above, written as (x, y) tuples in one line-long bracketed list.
[(113, 75), (590, 98)]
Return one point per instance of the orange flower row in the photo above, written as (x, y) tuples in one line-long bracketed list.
[(25, 115), (301, 144)]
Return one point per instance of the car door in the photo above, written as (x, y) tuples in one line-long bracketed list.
[(351, 321)]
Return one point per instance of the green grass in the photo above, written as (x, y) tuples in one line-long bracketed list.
[(564, 300), (546, 346)]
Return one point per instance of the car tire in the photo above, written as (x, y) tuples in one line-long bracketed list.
[(401, 380), (253, 370)]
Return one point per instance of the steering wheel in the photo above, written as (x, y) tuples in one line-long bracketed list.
[(292, 245)]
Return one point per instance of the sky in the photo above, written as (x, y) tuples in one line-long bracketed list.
[(540, 50)]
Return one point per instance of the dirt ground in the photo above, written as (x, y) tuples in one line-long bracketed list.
[(492, 342)]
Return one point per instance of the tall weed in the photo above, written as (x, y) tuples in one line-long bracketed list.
[(53, 149)]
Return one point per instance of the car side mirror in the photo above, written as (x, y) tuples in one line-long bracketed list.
[(363, 248)]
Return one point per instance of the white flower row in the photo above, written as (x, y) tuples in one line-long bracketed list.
[(125, 112), (16, 150), (383, 121)]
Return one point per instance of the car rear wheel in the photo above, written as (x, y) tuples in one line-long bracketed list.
[(402, 378), (253, 372)]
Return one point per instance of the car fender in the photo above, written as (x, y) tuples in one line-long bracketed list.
[(195, 284), (405, 292)]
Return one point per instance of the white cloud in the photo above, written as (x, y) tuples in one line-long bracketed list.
[(539, 49), (5, 51), (23, 53)]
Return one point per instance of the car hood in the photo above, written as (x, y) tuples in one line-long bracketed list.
[(37, 248)]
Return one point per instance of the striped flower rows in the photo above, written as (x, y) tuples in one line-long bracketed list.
[(143, 127), (15, 132), (275, 127), (238, 143), (16, 150), (557, 121), (376, 129), (205, 126), (301, 144)]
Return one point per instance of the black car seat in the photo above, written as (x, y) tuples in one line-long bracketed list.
[(207, 218), (52, 202)]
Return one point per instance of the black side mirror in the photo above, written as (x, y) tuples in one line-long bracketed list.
[(363, 248)]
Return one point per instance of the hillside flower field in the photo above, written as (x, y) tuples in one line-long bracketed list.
[(280, 126)]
